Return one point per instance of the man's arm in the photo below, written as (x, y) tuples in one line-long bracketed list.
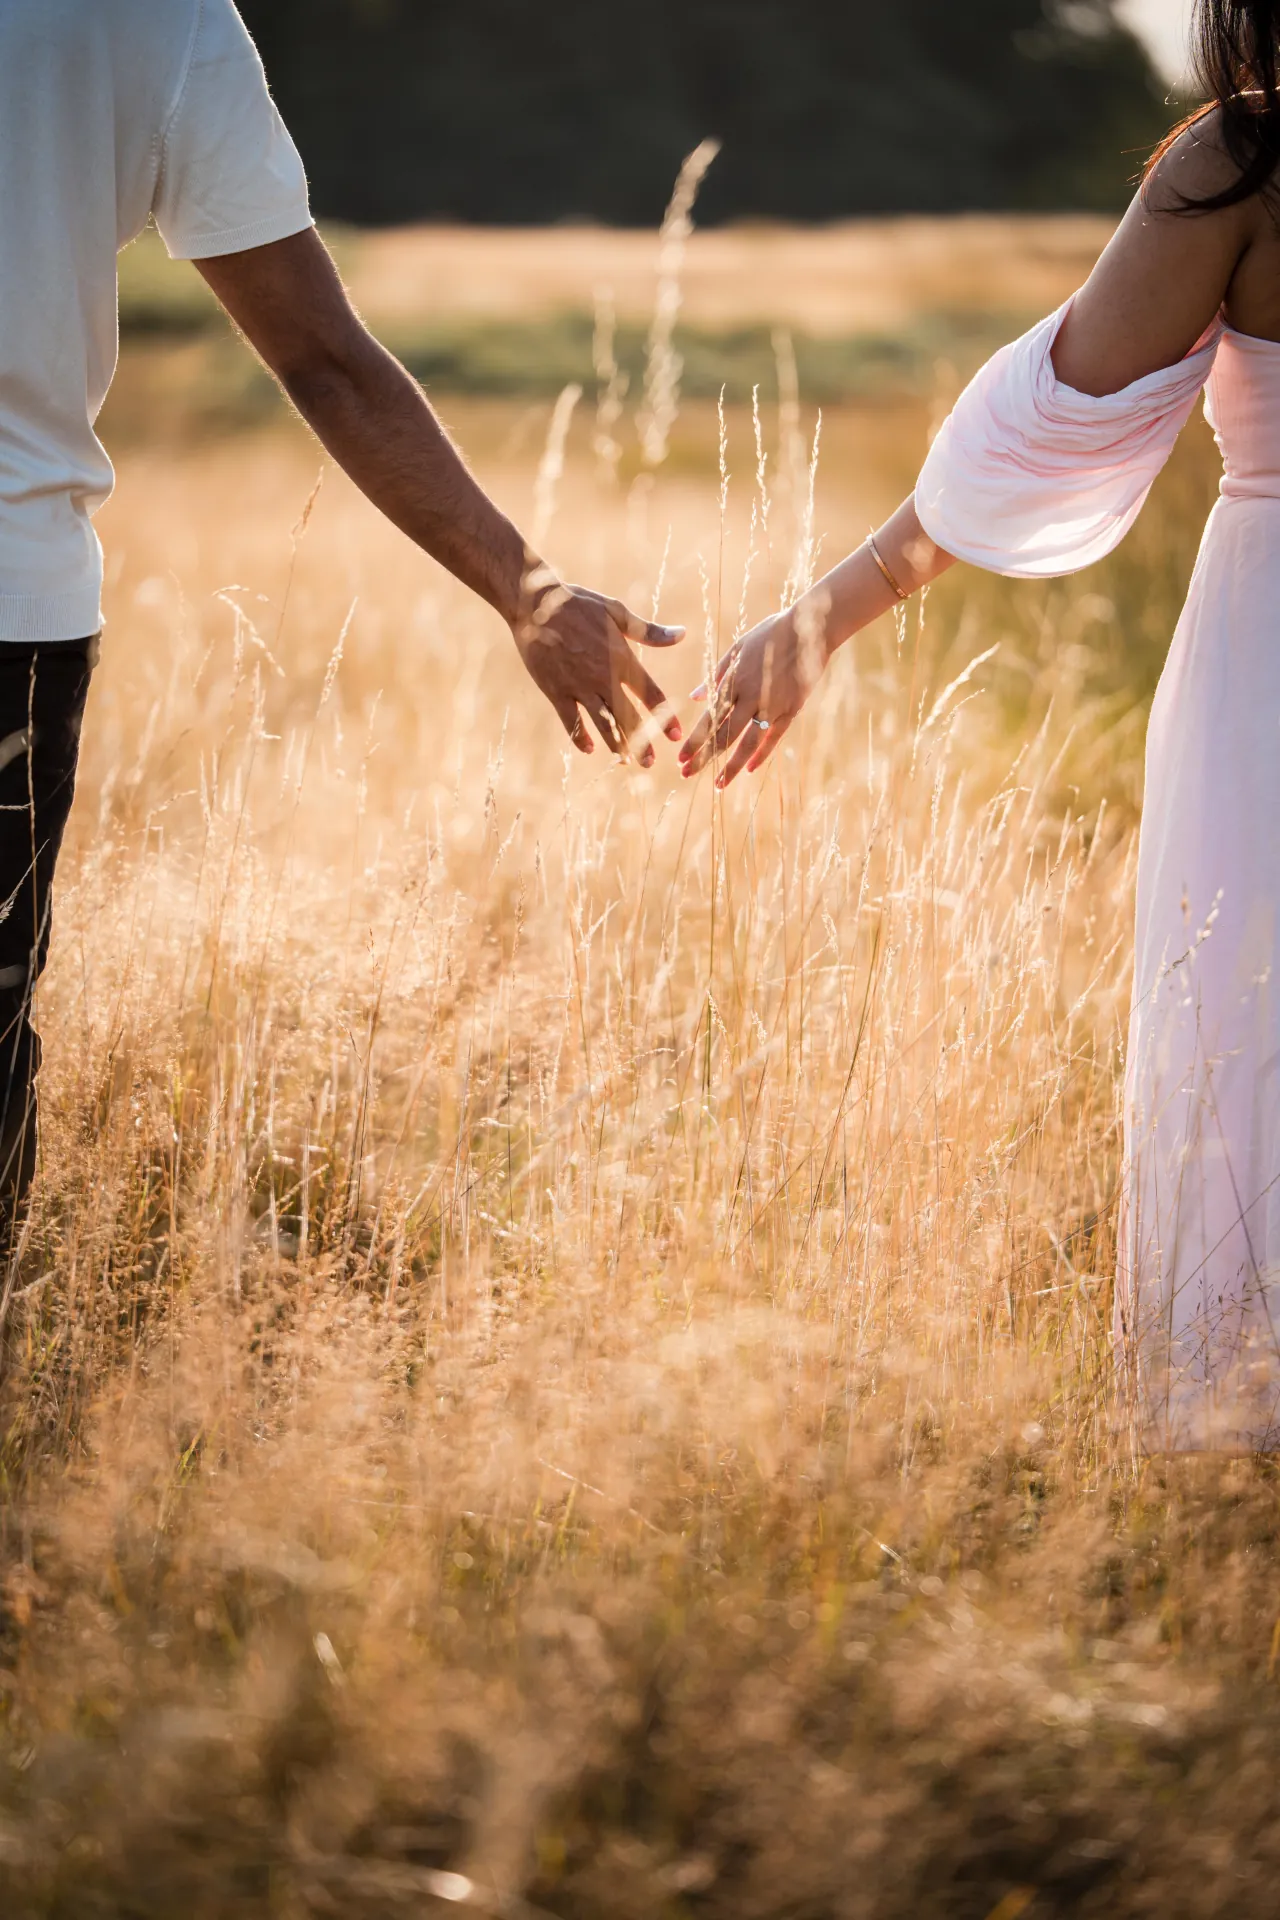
[(374, 419)]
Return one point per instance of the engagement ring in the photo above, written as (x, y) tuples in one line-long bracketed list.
[(763, 725)]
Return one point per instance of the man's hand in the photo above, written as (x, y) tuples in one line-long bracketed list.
[(760, 686), (287, 298), (574, 643)]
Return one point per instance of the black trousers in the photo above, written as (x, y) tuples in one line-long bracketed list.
[(43, 687)]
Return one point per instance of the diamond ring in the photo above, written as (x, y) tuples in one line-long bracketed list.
[(763, 725)]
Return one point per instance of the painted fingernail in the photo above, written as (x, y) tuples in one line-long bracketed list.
[(700, 691), (673, 730)]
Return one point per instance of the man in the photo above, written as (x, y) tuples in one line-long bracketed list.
[(113, 111)]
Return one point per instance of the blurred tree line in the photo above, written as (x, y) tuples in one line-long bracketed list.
[(534, 110)]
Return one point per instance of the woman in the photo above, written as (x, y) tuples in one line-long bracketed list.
[(1041, 468)]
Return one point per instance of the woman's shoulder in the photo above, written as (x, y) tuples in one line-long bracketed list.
[(1165, 272), (1195, 165)]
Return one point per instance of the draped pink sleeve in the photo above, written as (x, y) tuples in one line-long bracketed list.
[(1030, 478)]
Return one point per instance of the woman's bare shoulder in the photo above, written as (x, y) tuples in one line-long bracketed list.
[(1165, 272), (1195, 166)]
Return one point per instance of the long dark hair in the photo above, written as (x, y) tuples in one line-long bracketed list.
[(1235, 57)]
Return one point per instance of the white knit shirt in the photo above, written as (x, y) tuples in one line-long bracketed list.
[(110, 110)]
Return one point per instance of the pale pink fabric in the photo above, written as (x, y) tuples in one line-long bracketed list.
[(1029, 478)]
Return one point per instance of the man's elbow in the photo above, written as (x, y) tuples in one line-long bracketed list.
[(321, 382)]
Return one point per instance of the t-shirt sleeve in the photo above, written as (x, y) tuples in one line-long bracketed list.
[(230, 176)]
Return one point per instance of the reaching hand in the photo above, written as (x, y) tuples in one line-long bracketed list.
[(760, 686), (574, 643)]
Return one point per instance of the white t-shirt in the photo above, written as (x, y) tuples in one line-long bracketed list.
[(110, 110)]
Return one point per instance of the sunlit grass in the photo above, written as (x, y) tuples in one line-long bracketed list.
[(560, 1360)]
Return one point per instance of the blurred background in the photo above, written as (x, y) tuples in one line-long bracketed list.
[(561, 1361), (899, 188), (1166, 27), (501, 112)]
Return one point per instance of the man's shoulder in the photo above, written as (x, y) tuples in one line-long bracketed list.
[(141, 28), (161, 17)]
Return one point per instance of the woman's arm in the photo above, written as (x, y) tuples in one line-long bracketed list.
[(1164, 274), (772, 670), (1154, 292)]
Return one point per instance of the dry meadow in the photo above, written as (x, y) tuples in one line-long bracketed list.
[(559, 1363)]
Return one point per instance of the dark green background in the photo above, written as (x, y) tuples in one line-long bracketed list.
[(535, 110)]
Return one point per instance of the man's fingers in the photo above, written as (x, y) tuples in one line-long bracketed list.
[(635, 729), (645, 633), (574, 725), (636, 676), (605, 724), (621, 728)]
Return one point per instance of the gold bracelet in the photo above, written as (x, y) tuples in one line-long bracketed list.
[(900, 593)]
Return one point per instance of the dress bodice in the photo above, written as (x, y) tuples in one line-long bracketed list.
[(1242, 402)]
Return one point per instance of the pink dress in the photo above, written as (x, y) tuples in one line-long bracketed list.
[(1029, 478)]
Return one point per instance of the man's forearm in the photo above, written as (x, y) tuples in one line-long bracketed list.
[(291, 305), (377, 423), (363, 406)]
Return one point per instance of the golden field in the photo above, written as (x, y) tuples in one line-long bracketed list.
[(831, 280), (872, 312), (559, 1364)]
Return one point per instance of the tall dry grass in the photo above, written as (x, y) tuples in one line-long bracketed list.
[(559, 1363)]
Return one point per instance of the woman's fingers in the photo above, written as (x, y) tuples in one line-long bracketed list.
[(738, 716), (708, 738), (754, 748), (734, 702), (715, 732), (723, 665), (741, 756), (768, 741), (691, 751), (754, 743)]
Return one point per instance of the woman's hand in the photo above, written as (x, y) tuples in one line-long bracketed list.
[(760, 686), (766, 677)]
